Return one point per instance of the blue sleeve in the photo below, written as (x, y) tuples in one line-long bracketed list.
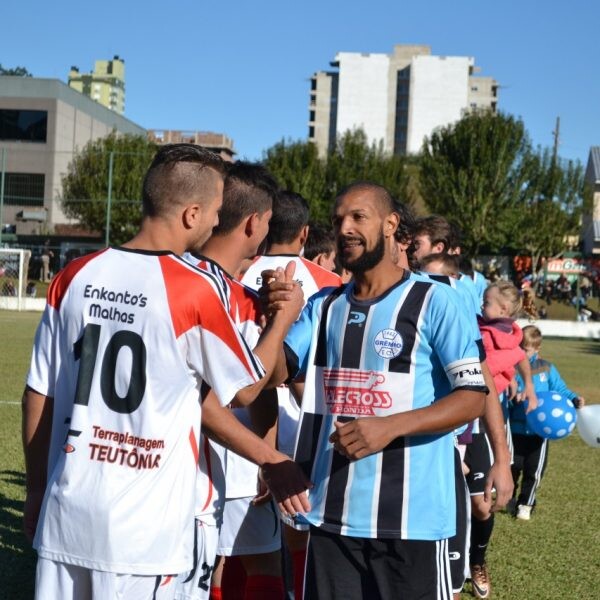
[(298, 339), (453, 341), (557, 384)]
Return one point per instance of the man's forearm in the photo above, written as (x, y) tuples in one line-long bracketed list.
[(36, 430), (452, 411), (220, 425), (493, 419)]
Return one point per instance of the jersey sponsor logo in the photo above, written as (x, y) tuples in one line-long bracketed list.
[(112, 313), (388, 343), (477, 476), (356, 318), (453, 555), (465, 373), (129, 457), (354, 392)]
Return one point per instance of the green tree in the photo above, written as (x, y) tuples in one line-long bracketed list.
[(474, 172), (552, 206), (297, 166), (17, 71), (85, 186)]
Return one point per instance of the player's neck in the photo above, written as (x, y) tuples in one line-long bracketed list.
[(378, 280), (227, 252), (293, 248), (156, 235)]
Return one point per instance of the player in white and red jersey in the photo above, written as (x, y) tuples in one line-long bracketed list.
[(248, 530), (288, 233), (123, 357)]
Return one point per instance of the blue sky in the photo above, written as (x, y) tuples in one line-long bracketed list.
[(242, 68)]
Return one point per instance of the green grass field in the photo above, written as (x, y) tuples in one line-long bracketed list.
[(555, 555)]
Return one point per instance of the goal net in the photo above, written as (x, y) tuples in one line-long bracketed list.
[(14, 264)]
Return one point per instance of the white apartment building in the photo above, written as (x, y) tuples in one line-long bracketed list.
[(398, 99)]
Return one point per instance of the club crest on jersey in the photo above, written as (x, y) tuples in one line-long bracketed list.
[(354, 392), (388, 343)]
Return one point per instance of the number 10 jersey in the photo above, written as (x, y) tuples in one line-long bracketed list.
[(127, 346)]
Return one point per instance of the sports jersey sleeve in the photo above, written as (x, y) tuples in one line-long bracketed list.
[(557, 384), (298, 340), (454, 344), (42, 368)]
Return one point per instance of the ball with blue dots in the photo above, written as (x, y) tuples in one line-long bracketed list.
[(555, 416)]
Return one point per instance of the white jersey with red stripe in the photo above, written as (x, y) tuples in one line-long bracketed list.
[(241, 475), (128, 344), (312, 278)]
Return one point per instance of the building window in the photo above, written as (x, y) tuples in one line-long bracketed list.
[(311, 132), (473, 104), (313, 84), (24, 189), (474, 88), (311, 116), (23, 125)]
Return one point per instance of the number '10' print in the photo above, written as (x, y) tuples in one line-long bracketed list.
[(86, 351)]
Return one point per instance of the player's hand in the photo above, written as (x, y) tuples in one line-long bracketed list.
[(263, 494), (279, 291), (579, 402), (31, 513), (360, 437), (512, 389), (288, 484), (500, 478)]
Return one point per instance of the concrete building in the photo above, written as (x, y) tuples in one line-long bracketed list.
[(105, 84), (43, 123), (590, 226), (398, 99), (217, 142)]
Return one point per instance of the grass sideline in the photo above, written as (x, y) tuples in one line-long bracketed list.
[(555, 555)]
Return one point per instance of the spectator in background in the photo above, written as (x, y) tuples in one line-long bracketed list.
[(320, 247), (31, 290)]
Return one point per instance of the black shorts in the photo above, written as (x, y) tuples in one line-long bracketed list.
[(458, 545), (478, 458), (339, 567)]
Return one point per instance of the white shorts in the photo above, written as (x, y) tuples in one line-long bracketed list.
[(195, 585), (70, 582), (249, 529)]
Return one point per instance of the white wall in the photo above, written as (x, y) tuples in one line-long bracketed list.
[(566, 329), (439, 88), (363, 93)]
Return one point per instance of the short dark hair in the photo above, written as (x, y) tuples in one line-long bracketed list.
[(405, 234), (382, 195), (249, 188), (438, 229), (177, 172), (320, 240), (449, 262), (290, 215)]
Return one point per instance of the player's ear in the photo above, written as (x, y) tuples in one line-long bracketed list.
[(391, 223), (250, 224), (190, 215), (304, 235)]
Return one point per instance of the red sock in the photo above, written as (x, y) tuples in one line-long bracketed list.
[(299, 560), (215, 593), (263, 587), (233, 580)]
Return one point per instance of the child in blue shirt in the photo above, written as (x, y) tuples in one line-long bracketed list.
[(531, 450)]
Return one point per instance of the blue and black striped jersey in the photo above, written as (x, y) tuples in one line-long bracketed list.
[(401, 351)]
